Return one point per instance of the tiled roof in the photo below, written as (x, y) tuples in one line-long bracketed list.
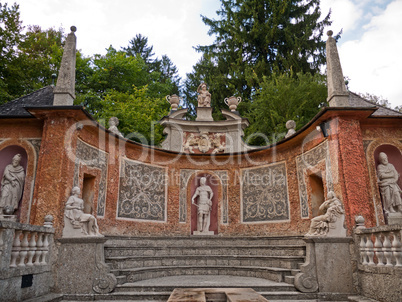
[(15, 108), (357, 101)]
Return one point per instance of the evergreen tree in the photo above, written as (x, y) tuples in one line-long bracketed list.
[(255, 38)]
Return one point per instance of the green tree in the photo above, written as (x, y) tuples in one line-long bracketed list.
[(137, 113), (255, 38), (10, 37), (283, 97)]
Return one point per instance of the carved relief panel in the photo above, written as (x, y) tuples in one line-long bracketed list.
[(204, 142), (142, 191), (264, 194)]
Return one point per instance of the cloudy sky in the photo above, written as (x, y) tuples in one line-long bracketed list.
[(370, 47)]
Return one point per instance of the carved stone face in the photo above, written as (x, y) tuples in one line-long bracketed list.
[(76, 190), (383, 158), (203, 180), (16, 161)]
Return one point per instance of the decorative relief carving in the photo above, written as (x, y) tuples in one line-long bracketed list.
[(104, 282), (205, 142), (94, 158), (307, 160), (142, 191), (223, 175), (366, 143), (184, 177), (265, 194)]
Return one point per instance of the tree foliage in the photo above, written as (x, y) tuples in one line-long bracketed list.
[(283, 97), (253, 39)]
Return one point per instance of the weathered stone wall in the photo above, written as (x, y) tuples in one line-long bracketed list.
[(140, 190)]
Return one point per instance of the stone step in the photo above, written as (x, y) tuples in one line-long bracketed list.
[(296, 271), (269, 273), (122, 262), (200, 241), (290, 279), (279, 250), (132, 287)]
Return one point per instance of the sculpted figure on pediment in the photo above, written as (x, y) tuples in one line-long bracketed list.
[(334, 211), (79, 220), (204, 97), (113, 123)]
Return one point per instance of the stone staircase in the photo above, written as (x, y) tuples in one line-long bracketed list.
[(140, 263)]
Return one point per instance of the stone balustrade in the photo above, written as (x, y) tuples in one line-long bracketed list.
[(24, 247), (380, 246)]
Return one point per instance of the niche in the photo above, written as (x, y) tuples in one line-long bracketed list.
[(317, 193), (88, 192)]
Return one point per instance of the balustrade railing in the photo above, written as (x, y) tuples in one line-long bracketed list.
[(380, 246), (23, 245)]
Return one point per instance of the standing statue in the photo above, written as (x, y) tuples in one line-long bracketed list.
[(113, 123), (204, 205), (333, 211), (204, 97), (389, 189), (79, 220), (12, 185)]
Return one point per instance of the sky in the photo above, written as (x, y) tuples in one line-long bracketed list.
[(369, 48)]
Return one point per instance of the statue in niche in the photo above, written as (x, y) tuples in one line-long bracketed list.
[(389, 189), (204, 97), (12, 185), (333, 208), (79, 220), (204, 205), (291, 126), (113, 123)]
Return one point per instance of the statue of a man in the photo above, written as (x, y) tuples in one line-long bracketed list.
[(389, 189), (74, 212), (12, 185), (204, 97), (333, 210), (204, 205)]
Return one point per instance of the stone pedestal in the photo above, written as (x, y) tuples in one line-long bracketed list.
[(328, 266), (204, 114), (82, 268), (208, 233), (9, 217), (394, 218)]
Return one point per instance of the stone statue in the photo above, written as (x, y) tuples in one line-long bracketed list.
[(290, 125), (79, 220), (113, 123), (204, 205), (204, 97), (320, 225), (389, 189), (12, 185)]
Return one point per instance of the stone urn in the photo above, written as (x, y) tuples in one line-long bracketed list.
[(173, 100), (232, 102)]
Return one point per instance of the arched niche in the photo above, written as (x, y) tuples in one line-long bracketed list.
[(214, 182), (6, 156)]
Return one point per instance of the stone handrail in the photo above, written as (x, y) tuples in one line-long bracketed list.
[(24, 246), (380, 246)]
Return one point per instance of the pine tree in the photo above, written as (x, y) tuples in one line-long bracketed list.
[(255, 38)]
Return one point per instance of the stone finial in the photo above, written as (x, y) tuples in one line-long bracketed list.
[(232, 102), (64, 92), (338, 95), (174, 101), (48, 221), (290, 125), (360, 222)]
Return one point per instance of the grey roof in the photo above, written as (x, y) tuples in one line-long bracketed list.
[(356, 100), (15, 108)]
